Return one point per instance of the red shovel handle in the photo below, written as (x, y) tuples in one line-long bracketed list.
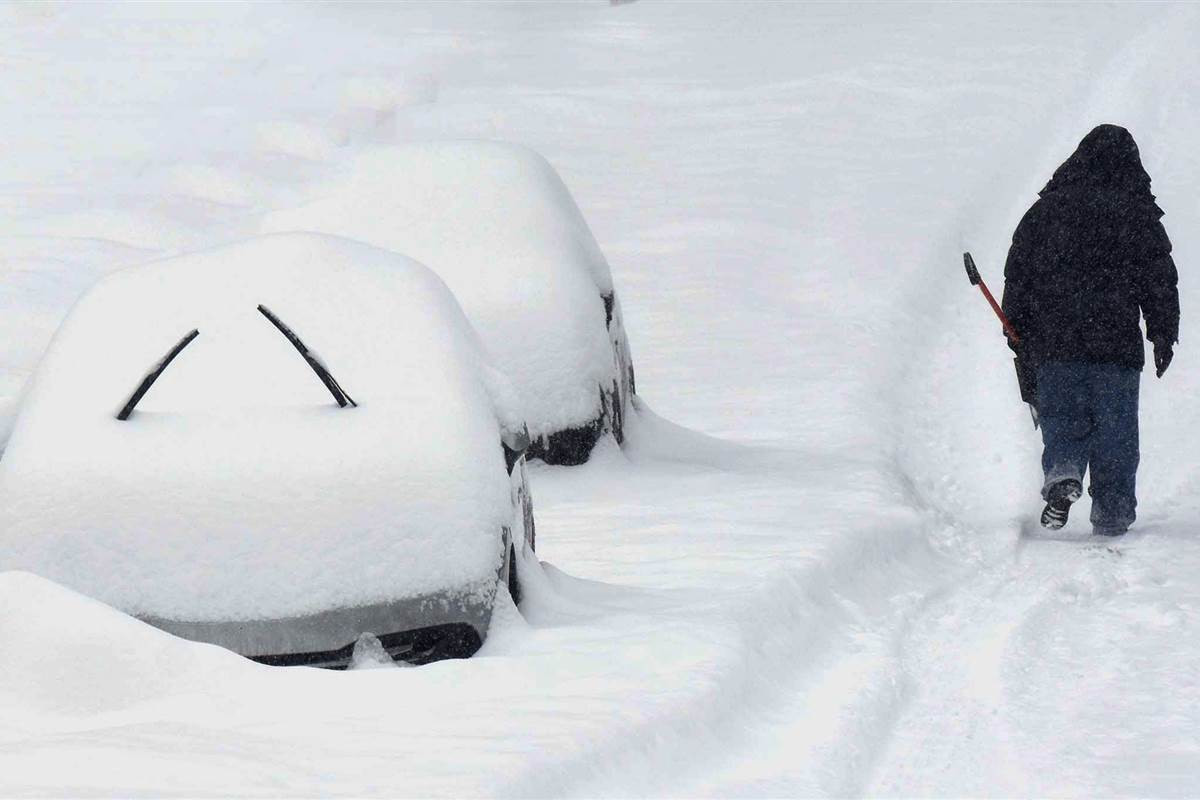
[(977, 280)]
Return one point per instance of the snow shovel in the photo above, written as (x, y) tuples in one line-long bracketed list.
[(1026, 374)]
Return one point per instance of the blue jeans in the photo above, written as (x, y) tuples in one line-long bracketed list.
[(1089, 416)]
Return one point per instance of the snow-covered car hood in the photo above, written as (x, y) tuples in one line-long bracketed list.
[(497, 223), (238, 489)]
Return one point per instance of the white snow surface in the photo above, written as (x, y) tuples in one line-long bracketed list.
[(805, 574), (497, 223), (238, 489)]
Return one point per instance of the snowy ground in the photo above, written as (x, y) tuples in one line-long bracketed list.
[(806, 574)]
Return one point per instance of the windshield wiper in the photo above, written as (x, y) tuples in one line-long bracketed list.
[(153, 374), (313, 360)]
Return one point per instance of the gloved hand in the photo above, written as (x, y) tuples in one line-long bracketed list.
[(1164, 351)]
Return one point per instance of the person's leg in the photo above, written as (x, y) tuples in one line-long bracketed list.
[(1066, 421), (1114, 452)]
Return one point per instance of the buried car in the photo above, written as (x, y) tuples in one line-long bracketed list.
[(497, 223), (245, 491)]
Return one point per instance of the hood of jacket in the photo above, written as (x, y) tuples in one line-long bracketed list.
[(1107, 164)]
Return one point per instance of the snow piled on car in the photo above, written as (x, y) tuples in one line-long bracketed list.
[(497, 223), (238, 489)]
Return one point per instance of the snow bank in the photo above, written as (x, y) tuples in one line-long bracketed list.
[(66, 654), (499, 226), (238, 489)]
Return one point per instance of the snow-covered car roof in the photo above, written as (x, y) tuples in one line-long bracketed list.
[(497, 223), (238, 488)]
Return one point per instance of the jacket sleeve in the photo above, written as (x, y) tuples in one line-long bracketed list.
[(1158, 293), (1019, 277)]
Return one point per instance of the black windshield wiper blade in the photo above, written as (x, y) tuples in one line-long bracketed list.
[(311, 358), (153, 374)]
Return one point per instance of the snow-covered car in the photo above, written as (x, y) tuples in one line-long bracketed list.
[(497, 223), (248, 493)]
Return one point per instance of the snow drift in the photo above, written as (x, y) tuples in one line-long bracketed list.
[(65, 654)]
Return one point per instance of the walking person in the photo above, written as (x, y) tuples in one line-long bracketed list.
[(1086, 258)]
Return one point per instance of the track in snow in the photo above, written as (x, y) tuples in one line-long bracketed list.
[(1022, 674)]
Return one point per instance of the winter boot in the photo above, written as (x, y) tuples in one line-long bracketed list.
[(1059, 497)]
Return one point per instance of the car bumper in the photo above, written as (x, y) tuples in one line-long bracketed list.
[(417, 630)]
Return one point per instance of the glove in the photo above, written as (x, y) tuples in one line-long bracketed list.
[(1164, 351)]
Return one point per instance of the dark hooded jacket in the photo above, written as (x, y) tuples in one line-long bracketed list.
[(1088, 256)]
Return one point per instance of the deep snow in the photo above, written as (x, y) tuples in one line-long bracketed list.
[(832, 598)]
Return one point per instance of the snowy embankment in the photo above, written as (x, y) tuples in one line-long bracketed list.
[(833, 597)]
